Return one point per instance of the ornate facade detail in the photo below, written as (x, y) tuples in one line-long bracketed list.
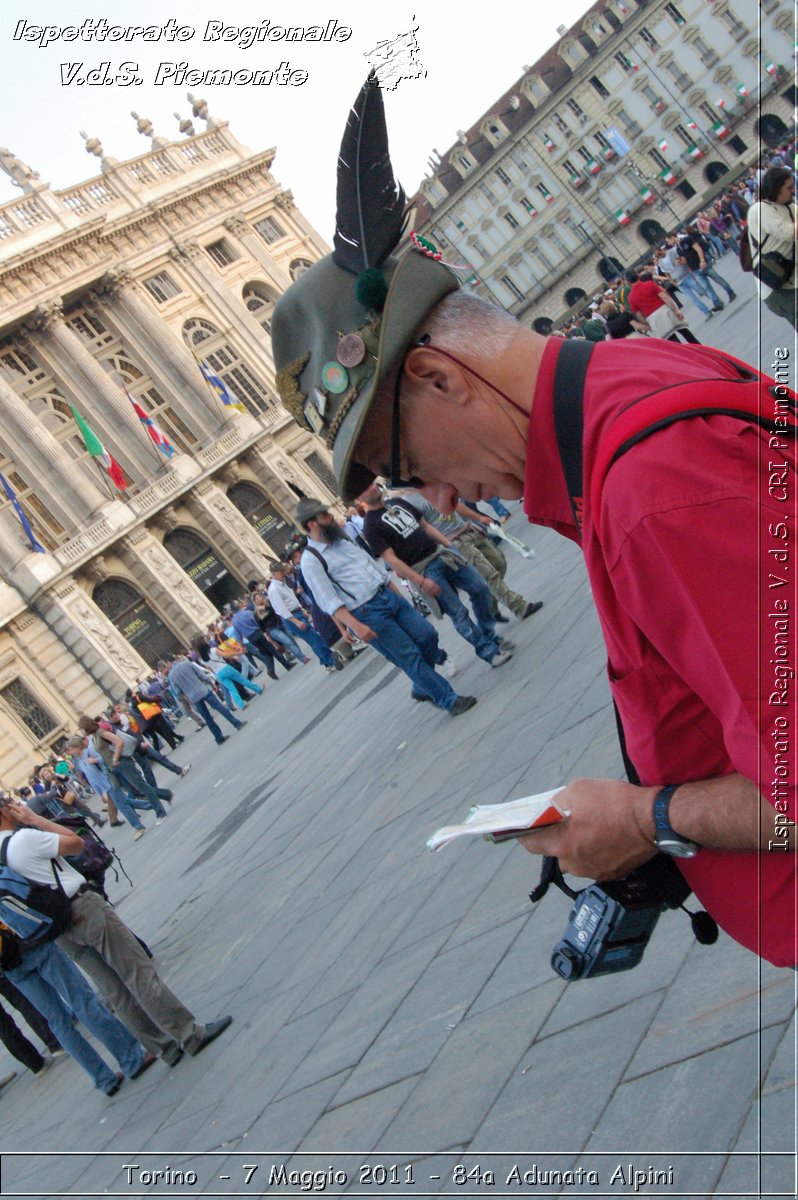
[(166, 520), (135, 537), (102, 632), (285, 200), (22, 175), (117, 280), (96, 570), (174, 579), (46, 316), (186, 251), (237, 225), (230, 474)]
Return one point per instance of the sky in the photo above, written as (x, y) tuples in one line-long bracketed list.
[(469, 61)]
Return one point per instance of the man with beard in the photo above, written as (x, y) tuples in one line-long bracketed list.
[(354, 590)]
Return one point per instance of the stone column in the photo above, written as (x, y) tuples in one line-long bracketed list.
[(224, 524), (226, 301), (160, 576), (170, 363), (95, 394), (65, 490)]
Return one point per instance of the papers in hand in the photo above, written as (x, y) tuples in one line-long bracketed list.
[(500, 822)]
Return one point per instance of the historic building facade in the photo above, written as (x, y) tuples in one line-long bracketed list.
[(111, 292), (541, 200)]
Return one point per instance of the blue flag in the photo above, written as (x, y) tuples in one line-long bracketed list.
[(9, 491), (228, 398)]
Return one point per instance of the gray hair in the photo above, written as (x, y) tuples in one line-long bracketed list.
[(463, 322)]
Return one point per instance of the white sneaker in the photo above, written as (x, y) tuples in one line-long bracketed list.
[(139, 833), (159, 820), (449, 668), (186, 769), (501, 658)]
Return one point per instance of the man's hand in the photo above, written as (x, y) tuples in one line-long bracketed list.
[(21, 813), (364, 632), (429, 586), (604, 837)]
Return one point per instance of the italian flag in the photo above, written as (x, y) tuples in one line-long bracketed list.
[(608, 152), (648, 195), (742, 90), (622, 217), (667, 176), (547, 196), (577, 180), (771, 68), (721, 103), (719, 129), (593, 166), (548, 143), (662, 146), (693, 151), (97, 450), (692, 125)]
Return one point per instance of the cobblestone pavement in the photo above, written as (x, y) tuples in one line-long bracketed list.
[(388, 999)]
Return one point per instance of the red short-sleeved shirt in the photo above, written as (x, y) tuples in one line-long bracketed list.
[(645, 297), (680, 581)]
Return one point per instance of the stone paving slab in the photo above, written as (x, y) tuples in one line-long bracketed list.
[(383, 995)]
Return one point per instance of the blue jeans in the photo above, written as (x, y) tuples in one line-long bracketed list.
[(498, 507), (285, 638), (55, 986), (228, 677), (466, 578), (696, 286), (127, 805), (709, 272), (309, 635), (407, 640), (208, 701), (127, 771)]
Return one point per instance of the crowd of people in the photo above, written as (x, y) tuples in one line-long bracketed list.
[(648, 299), (106, 771)]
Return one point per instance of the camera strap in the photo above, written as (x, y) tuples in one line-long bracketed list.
[(550, 873)]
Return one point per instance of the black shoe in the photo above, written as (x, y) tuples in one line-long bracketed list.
[(718, 307), (532, 607), (272, 674), (212, 1032), (120, 1079), (223, 738), (147, 1062), (501, 620), (168, 795), (240, 724), (461, 705), (115, 824), (733, 296), (420, 699), (288, 667)]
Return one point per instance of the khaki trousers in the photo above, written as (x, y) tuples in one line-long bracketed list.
[(491, 564)]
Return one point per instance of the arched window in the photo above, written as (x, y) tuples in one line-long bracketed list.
[(46, 528), (38, 389), (609, 268), (714, 170), (543, 325), (127, 609), (203, 566), (574, 295), (223, 360), (652, 232), (139, 387), (260, 302), (298, 267), (264, 518), (772, 130)]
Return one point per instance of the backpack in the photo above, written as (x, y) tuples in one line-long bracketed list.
[(95, 858), (30, 913), (745, 256)]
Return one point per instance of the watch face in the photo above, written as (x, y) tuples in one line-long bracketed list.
[(677, 847)]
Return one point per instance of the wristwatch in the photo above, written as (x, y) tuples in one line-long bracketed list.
[(668, 841)]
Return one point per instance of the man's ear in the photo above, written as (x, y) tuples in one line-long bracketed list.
[(424, 367)]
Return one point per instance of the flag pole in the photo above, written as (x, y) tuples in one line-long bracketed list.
[(161, 458)]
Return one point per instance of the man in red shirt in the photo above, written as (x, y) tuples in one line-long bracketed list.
[(650, 302), (451, 394)]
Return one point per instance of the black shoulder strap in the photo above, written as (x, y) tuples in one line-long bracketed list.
[(569, 387), (312, 550), (54, 865), (4, 850)]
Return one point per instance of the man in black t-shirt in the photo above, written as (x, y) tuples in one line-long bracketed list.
[(418, 552), (695, 250)]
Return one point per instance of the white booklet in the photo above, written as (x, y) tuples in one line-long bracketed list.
[(500, 822)]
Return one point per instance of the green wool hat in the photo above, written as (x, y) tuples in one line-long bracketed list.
[(348, 320)]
